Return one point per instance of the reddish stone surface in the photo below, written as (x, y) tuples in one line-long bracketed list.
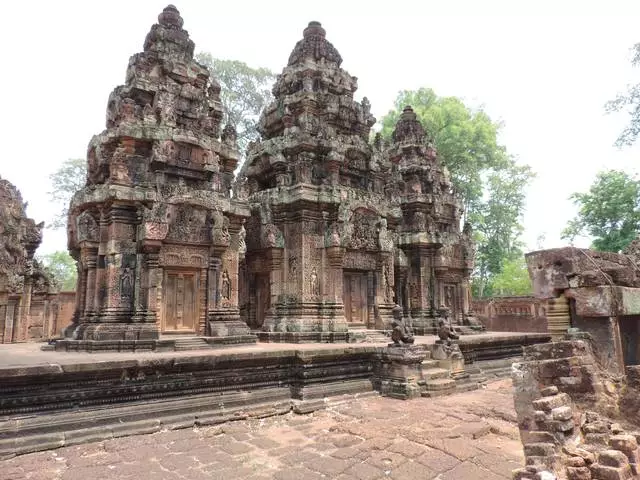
[(23, 281), (511, 314), (369, 438), (156, 231), (343, 229)]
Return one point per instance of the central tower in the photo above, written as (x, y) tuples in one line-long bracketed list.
[(320, 238)]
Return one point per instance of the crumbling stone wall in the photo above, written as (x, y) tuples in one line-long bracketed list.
[(574, 414)]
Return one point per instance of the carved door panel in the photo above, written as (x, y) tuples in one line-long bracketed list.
[(355, 297), (180, 306), (263, 298)]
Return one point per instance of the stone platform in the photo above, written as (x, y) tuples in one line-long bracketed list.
[(362, 439), (51, 399)]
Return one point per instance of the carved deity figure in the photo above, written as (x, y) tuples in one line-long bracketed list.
[(314, 287), (225, 291), (401, 332), (242, 242), (385, 242), (332, 238), (126, 283), (445, 332), (220, 230), (87, 227)]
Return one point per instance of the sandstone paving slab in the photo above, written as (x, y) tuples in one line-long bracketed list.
[(399, 442), (364, 471), (469, 471), (412, 471), (437, 460)]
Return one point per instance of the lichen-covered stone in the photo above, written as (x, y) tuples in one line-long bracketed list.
[(343, 229), (21, 275), (156, 231)]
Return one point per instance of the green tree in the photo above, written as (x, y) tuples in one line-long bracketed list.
[(497, 221), (629, 102), (491, 182), (62, 268), (65, 181), (609, 212), (513, 278), (245, 93)]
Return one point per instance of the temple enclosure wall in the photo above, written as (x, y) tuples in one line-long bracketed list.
[(511, 314)]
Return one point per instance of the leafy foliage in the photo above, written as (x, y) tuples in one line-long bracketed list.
[(609, 212), (497, 220), (490, 181), (62, 268), (65, 181), (513, 278), (245, 92), (629, 102)]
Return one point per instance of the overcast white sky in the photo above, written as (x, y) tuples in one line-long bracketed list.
[(544, 68)]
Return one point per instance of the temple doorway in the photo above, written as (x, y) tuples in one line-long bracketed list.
[(180, 301), (356, 306)]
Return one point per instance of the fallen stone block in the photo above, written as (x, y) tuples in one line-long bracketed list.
[(562, 413), (549, 403), (578, 473), (612, 458), (586, 455), (539, 449), (602, 472), (549, 391), (575, 462)]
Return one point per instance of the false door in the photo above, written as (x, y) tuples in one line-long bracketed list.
[(180, 301), (355, 297)]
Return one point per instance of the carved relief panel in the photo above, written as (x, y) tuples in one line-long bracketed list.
[(365, 230), (188, 225)]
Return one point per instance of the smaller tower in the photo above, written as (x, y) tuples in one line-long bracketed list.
[(437, 257)]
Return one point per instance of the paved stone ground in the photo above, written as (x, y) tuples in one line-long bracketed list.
[(467, 436)]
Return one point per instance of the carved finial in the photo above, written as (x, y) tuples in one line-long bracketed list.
[(314, 28), (170, 17)]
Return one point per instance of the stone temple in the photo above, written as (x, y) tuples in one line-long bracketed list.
[(324, 230), (155, 231)]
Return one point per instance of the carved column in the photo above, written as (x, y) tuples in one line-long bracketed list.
[(422, 273), (274, 259), (90, 254), (401, 290), (335, 257), (154, 278), (223, 314), (24, 309)]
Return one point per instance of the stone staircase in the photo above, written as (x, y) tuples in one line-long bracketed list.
[(191, 343), (436, 381)]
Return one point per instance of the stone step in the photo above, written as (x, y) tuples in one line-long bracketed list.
[(428, 363), (440, 384), (182, 344), (438, 393), (435, 373)]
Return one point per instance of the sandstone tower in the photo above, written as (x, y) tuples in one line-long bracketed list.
[(155, 230)]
